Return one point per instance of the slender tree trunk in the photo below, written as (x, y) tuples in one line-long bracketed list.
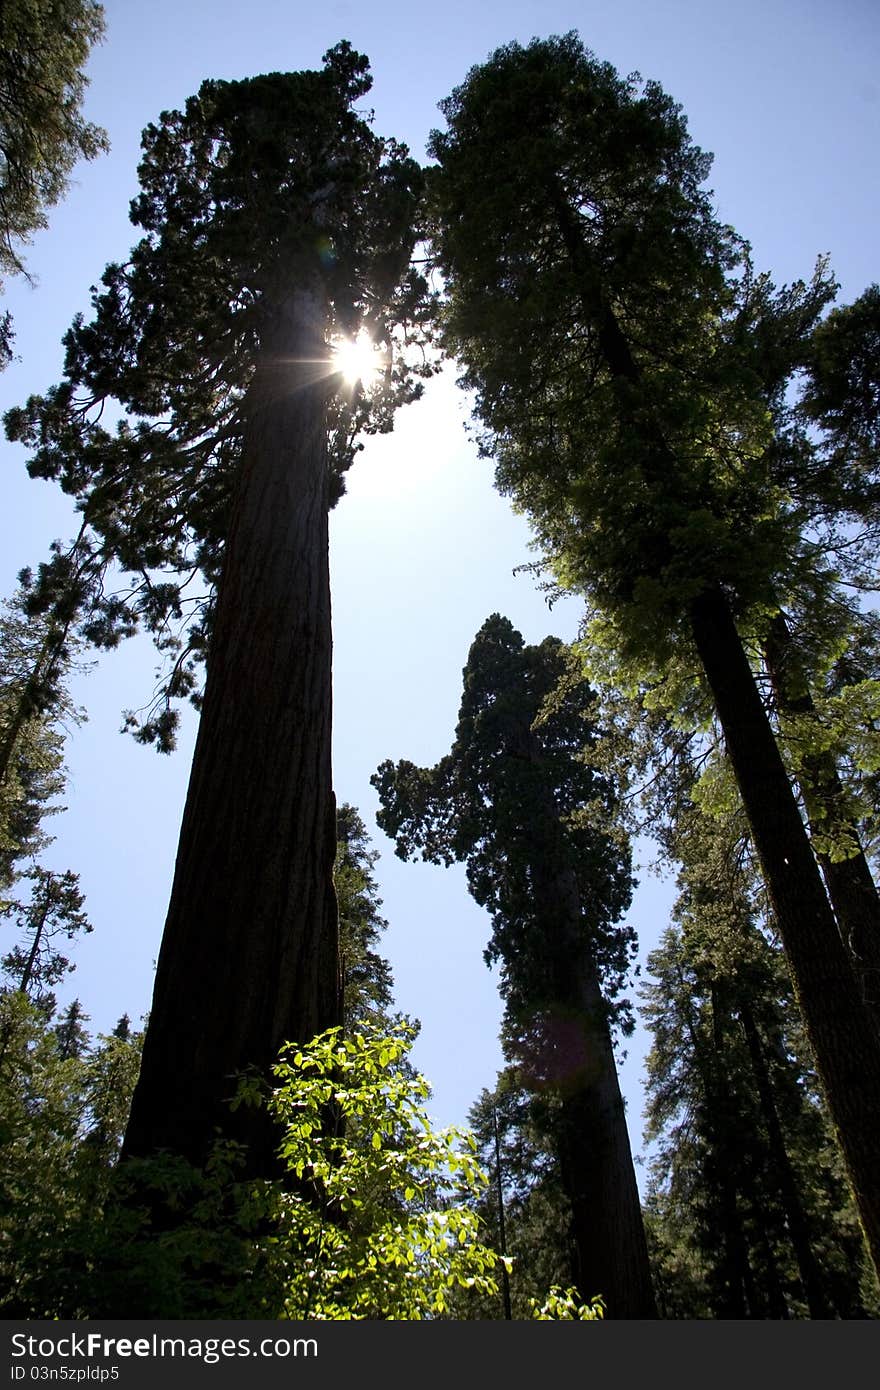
[(736, 1293), (40, 688), (786, 1181), (849, 881), (502, 1234), (35, 944), (765, 1297), (249, 957), (729, 1274), (838, 1022)]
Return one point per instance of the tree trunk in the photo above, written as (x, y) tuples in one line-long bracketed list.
[(849, 881), (736, 1292), (594, 1151), (249, 957), (39, 690), (573, 1046), (35, 944), (786, 1182), (502, 1234), (837, 1020)]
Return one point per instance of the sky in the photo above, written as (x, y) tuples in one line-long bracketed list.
[(785, 93)]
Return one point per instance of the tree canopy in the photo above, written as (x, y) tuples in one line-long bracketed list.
[(626, 362), (256, 191), (518, 801)]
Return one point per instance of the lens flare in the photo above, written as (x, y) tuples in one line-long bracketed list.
[(358, 360)]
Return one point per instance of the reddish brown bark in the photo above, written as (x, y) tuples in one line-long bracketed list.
[(249, 957)]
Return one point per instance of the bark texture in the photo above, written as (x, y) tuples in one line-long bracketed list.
[(249, 957)]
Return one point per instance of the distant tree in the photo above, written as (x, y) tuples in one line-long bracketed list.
[(275, 223), (604, 318), (523, 1207), (534, 824), (42, 628), (28, 795), (367, 982), (35, 714), (44, 45), (747, 1177), (70, 1030), (63, 1101), (841, 396), (54, 909), (43, 906)]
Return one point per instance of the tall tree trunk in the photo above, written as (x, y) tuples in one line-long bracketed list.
[(574, 1040), (786, 1182), (765, 1294), (249, 957), (736, 1293), (595, 1158), (838, 1022), (849, 881)]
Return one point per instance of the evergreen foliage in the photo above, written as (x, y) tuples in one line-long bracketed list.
[(629, 366), (44, 45), (748, 1211), (257, 192), (35, 711), (515, 792), (526, 1216), (367, 980), (518, 802), (41, 905), (53, 909), (64, 1102)]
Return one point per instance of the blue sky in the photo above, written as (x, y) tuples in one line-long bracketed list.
[(786, 95)]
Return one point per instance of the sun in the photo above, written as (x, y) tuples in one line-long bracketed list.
[(358, 359)]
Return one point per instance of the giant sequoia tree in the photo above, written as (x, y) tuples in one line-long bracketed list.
[(516, 803), (274, 221), (606, 322)]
